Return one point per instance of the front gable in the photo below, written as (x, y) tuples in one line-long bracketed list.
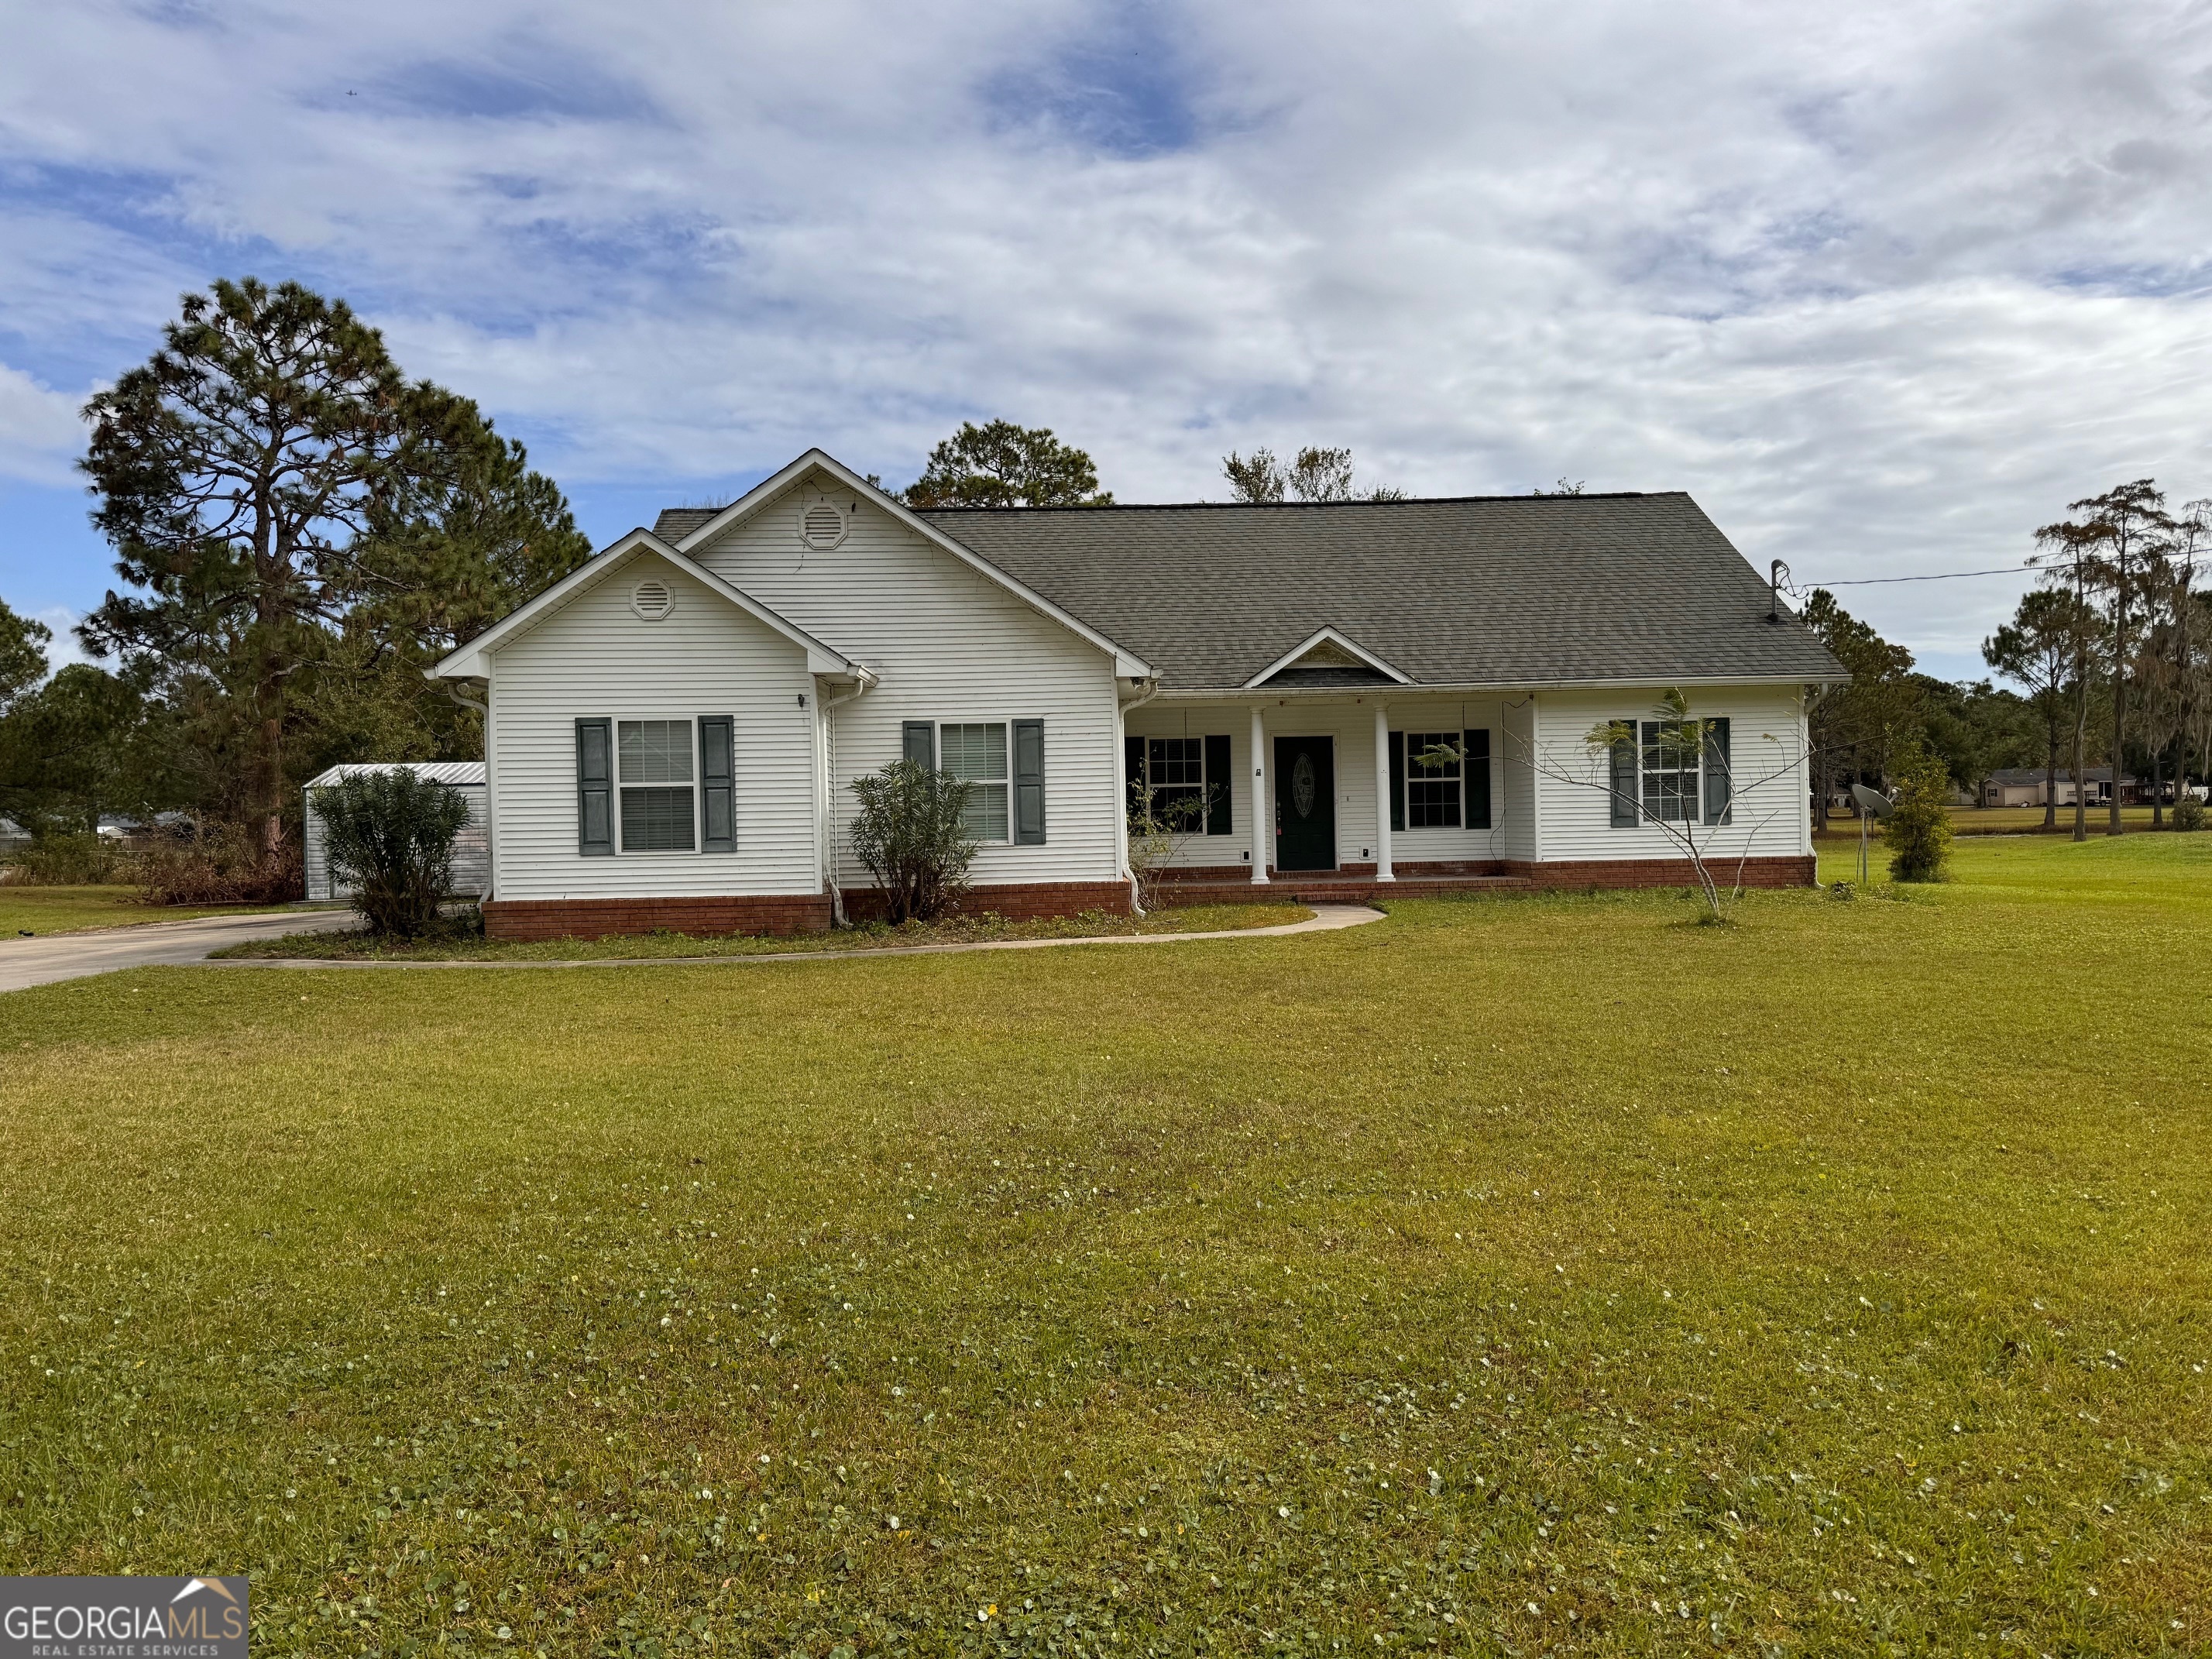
[(816, 505), (652, 572)]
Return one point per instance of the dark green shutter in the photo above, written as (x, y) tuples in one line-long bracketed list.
[(1028, 783), (718, 799), (1623, 779), (1133, 774), (1475, 774), (595, 789), (1397, 780), (1718, 777), (1217, 785), (921, 742)]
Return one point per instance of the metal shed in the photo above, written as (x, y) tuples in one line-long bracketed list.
[(471, 849)]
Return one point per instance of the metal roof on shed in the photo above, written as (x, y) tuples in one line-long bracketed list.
[(460, 773)]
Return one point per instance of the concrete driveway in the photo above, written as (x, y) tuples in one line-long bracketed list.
[(28, 961)]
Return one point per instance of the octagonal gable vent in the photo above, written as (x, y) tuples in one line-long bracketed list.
[(821, 524), (651, 599)]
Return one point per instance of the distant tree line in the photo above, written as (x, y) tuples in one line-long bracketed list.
[(2111, 654)]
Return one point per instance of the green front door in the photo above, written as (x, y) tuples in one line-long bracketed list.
[(1305, 804)]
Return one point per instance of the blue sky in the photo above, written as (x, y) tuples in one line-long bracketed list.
[(1883, 286)]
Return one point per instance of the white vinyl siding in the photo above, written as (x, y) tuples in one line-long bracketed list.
[(1770, 816), (951, 646), (594, 657)]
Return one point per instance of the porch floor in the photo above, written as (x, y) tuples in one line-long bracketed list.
[(1332, 887)]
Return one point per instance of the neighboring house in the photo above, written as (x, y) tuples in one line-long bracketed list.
[(674, 728), (2027, 785), (471, 848)]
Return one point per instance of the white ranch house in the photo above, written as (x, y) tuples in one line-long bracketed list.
[(674, 729)]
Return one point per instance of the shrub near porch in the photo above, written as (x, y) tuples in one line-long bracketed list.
[(1542, 1272)]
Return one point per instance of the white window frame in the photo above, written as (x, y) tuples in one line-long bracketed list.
[(691, 752), (1693, 802), (1204, 782), (1005, 781), (1457, 740)]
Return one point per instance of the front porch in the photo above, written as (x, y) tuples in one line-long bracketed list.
[(1354, 885)]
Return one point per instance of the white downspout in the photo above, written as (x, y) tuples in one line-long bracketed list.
[(1122, 789), (863, 681)]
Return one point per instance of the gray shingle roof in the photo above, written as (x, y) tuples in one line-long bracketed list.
[(1485, 590)]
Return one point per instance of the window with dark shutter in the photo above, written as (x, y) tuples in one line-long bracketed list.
[(1622, 778), (919, 743), (1719, 781), (1133, 776), (1475, 746), (1028, 783), (1217, 785), (1397, 781), (595, 780), (718, 804)]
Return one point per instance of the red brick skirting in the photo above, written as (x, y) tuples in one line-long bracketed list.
[(1791, 871), (802, 912), (1356, 883), (1015, 900), (799, 913)]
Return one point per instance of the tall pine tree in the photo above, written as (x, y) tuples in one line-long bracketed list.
[(302, 526)]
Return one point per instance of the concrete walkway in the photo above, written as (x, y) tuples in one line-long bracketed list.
[(1325, 918), (42, 961)]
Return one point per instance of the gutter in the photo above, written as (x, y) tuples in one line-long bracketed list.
[(863, 680)]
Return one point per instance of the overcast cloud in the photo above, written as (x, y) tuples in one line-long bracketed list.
[(1882, 286)]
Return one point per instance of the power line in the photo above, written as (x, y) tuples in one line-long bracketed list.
[(1940, 576)]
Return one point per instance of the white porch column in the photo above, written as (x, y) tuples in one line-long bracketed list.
[(1382, 794), (1263, 800)]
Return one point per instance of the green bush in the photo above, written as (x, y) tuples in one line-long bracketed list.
[(2188, 813), (1918, 833), (390, 837), (911, 835)]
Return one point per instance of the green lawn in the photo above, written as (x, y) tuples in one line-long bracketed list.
[(67, 909), (471, 946), (1512, 1275), (2015, 820)]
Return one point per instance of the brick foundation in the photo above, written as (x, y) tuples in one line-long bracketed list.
[(1355, 883), (1791, 871), (1015, 900), (799, 913)]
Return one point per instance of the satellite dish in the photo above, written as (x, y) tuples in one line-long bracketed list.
[(1873, 801)]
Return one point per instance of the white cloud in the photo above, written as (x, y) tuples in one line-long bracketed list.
[(40, 432), (1883, 285)]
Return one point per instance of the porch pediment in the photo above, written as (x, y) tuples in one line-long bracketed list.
[(1327, 657)]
